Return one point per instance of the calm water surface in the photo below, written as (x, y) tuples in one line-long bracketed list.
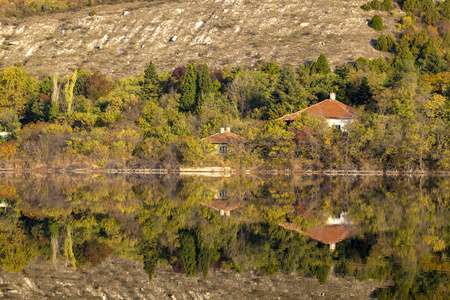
[(391, 229)]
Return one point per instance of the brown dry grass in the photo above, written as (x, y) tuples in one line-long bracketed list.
[(121, 39)]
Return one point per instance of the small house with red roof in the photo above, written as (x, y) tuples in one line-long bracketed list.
[(223, 139), (336, 113)]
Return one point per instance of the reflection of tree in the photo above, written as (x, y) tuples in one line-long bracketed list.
[(16, 250)]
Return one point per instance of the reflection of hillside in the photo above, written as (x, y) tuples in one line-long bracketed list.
[(401, 224)]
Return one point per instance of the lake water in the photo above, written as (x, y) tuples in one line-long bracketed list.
[(385, 237)]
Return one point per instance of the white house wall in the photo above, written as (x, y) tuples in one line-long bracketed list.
[(339, 122)]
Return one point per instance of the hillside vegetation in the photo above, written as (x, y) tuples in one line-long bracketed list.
[(157, 119)]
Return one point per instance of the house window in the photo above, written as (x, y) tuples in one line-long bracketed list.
[(223, 148), (337, 127), (223, 194)]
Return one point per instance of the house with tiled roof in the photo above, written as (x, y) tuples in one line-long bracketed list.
[(336, 113), (223, 139)]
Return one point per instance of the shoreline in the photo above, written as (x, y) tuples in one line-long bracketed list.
[(225, 172)]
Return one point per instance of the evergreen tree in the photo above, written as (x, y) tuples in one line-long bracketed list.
[(288, 95), (204, 81), (381, 43), (434, 63), (151, 86), (364, 93), (321, 65), (390, 43), (387, 5), (204, 260), (402, 50), (377, 22), (188, 252), (375, 4), (188, 101)]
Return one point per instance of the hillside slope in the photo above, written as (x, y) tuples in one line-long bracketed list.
[(120, 39)]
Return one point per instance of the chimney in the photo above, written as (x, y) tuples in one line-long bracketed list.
[(228, 129), (332, 96), (222, 130)]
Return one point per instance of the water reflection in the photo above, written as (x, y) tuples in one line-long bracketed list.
[(395, 230)]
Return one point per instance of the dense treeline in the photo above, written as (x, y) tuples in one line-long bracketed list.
[(158, 119), (402, 226)]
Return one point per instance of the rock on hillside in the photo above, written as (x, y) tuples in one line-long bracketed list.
[(120, 39)]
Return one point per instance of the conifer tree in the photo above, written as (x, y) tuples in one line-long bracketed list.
[(377, 22), (204, 81), (321, 65), (387, 5), (434, 63), (151, 86), (288, 95), (381, 43), (188, 101)]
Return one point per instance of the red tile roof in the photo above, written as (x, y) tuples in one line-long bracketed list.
[(330, 109), (330, 234), (222, 205), (223, 138), (290, 226), (323, 234)]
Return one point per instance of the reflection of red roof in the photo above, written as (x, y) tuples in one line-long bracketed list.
[(222, 205), (330, 234), (330, 109), (223, 138), (290, 226)]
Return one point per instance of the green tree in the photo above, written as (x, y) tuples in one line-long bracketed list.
[(434, 63), (375, 4), (188, 101), (390, 43), (387, 5), (17, 88), (205, 85), (377, 22), (381, 44), (188, 252), (151, 86), (321, 66), (364, 93), (288, 96)]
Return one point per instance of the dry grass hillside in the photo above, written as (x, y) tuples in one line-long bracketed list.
[(120, 39)]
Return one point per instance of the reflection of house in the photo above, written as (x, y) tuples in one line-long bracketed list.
[(223, 206), (335, 112), (330, 234), (222, 139), (4, 134), (326, 234)]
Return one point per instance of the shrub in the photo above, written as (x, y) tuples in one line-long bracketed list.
[(377, 22), (92, 13), (387, 5), (382, 44)]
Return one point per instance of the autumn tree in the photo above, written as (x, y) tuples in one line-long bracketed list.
[(17, 88)]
